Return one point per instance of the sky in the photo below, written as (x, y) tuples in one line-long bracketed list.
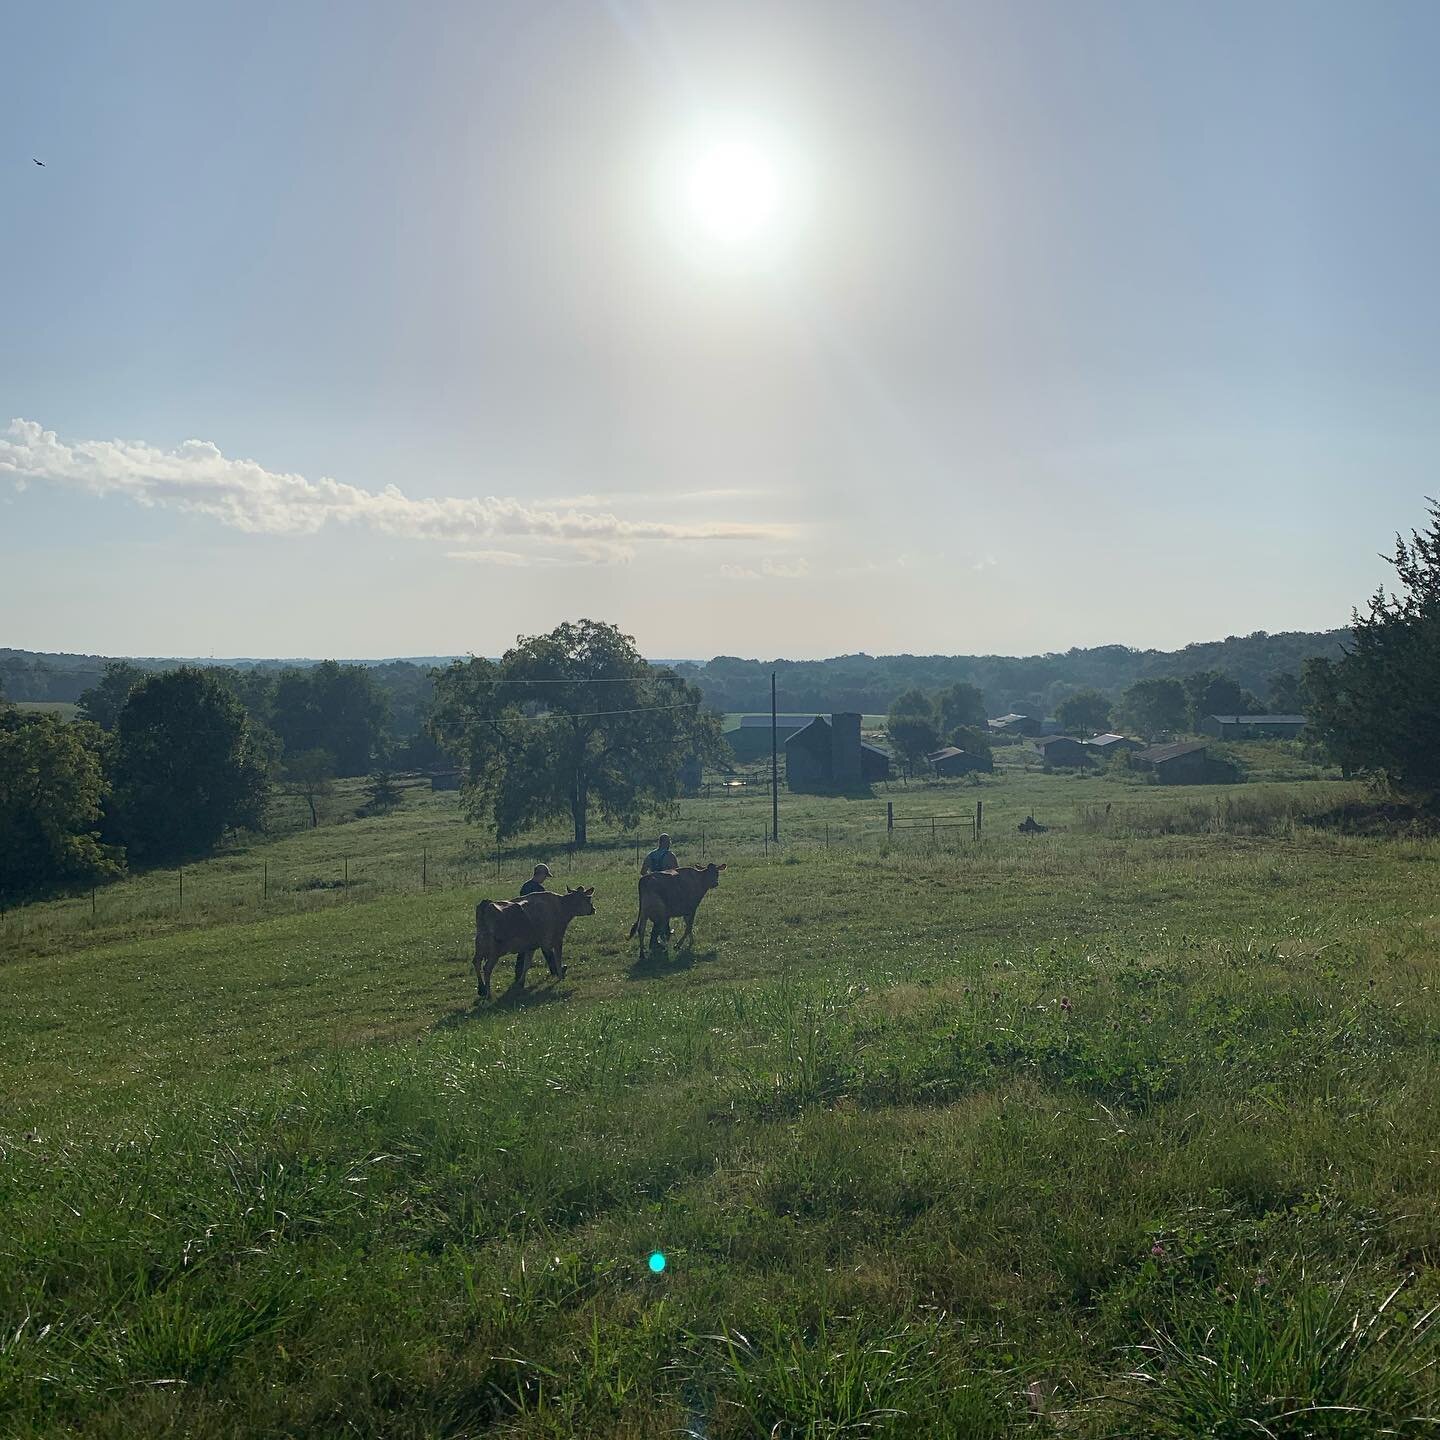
[(767, 329)]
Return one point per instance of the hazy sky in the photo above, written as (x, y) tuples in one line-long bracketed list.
[(759, 328)]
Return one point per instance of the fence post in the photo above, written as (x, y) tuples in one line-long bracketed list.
[(932, 832), (827, 837), (180, 903), (889, 816), (347, 875), (92, 904), (424, 867), (766, 838), (979, 817), (264, 881)]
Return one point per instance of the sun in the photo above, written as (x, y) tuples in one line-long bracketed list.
[(733, 193)]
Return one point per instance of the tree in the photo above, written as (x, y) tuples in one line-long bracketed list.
[(331, 707), (971, 739), (913, 726), (184, 770), (960, 704), (567, 722), (1377, 708), (310, 776), (1084, 710), (52, 785), (382, 794), (1212, 693), (1154, 707), (103, 702), (1287, 694)]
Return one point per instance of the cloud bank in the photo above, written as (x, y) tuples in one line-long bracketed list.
[(198, 479)]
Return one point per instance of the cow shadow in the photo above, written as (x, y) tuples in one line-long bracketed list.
[(659, 962), (511, 999)]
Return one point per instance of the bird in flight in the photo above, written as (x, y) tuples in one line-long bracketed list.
[(40, 163)]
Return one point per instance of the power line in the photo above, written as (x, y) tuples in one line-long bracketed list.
[(595, 714), (614, 680)]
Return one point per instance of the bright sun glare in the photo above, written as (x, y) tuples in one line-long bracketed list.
[(733, 194), (733, 191)]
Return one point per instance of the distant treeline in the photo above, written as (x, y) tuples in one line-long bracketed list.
[(868, 683), (1032, 684), (404, 687)]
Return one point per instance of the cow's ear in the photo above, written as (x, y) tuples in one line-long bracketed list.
[(591, 890), (719, 867)]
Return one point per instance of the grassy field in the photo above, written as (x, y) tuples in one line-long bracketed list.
[(1127, 1129), (65, 709)]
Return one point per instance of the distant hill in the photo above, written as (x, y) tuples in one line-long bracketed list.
[(867, 683), (1029, 684)]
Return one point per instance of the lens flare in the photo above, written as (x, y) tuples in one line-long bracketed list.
[(657, 1261)]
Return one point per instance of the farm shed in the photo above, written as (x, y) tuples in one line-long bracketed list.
[(1107, 745), (954, 761), (829, 753), (750, 739), (1063, 750), (1015, 725), (1186, 763), (1252, 727), (874, 763)]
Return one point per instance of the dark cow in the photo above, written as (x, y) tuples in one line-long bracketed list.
[(667, 895), (521, 927)]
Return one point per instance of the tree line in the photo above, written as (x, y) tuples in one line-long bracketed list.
[(1034, 684), (161, 766), (1029, 685)]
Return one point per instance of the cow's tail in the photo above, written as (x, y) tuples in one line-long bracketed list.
[(483, 913), (640, 918)]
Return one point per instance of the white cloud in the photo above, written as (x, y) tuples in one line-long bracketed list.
[(198, 479), (493, 557), (583, 552), (793, 569)]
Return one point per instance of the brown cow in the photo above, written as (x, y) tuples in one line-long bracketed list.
[(521, 927), (673, 894)]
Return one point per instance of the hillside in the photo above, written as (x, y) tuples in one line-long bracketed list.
[(1057, 1155), (867, 683)]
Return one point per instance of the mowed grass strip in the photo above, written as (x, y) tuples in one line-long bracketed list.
[(1098, 1134)]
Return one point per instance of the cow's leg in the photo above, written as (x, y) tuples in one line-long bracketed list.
[(689, 927), (555, 959), (522, 964), (482, 973)]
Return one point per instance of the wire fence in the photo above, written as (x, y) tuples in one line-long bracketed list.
[(247, 884)]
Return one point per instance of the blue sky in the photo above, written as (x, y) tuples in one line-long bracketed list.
[(1078, 324)]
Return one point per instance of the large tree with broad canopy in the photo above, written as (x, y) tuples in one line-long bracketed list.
[(569, 722)]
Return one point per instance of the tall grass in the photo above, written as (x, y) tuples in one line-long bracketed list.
[(1086, 1134)]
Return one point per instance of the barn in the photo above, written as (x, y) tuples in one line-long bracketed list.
[(750, 739), (829, 754), (1014, 725), (1104, 746), (953, 761), (1252, 727), (1186, 763), (1063, 750)]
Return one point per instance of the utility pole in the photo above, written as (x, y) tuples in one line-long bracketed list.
[(774, 765)]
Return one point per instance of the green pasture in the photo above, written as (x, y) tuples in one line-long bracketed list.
[(1127, 1129), (65, 709)]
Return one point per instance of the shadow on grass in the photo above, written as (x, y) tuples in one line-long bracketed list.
[(509, 999), (656, 964)]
